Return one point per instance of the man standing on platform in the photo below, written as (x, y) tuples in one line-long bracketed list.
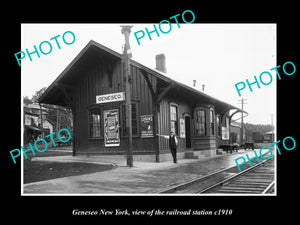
[(172, 144)]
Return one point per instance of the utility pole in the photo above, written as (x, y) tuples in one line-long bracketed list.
[(242, 101), (57, 120), (127, 74), (41, 116)]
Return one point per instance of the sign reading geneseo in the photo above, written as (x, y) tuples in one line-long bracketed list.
[(113, 97)]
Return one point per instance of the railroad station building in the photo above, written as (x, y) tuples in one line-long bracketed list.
[(93, 86)]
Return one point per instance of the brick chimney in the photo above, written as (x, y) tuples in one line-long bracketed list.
[(161, 63)]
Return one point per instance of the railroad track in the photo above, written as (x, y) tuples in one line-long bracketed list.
[(254, 180), (258, 179)]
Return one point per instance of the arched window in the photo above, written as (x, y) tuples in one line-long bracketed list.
[(219, 126), (174, 118), (212, 121), (95, 123), (200, 122), (134, 119)]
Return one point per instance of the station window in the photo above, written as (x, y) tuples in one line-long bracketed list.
[(212, 121), (200, 122), (219, 127), (134, 119), (95, 123), (174, 118)]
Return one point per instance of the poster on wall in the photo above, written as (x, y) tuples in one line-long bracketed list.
[(225, 133), (146, 126), (32, 120), (111, 128), (27, 120), (182, 128)]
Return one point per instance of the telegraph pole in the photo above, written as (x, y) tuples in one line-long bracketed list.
[(127, 74), (41, 116), (242, 101)]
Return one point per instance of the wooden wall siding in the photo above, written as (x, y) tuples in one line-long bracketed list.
[(104, 79), (198, 143), (107, 77), (164, 122), (140, 90)]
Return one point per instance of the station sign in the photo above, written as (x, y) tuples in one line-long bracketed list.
[(113, 97)]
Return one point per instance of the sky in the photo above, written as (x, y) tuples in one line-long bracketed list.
[(216, 55)]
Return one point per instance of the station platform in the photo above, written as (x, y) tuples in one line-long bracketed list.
[(141, 179)]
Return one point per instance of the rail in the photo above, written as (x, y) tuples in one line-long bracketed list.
[(202, 184), (233, 177)]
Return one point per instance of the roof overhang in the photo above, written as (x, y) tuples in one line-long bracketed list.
[(220, 106), (94, 52), (88, 56)]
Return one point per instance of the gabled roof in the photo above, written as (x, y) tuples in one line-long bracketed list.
[(91, 53)]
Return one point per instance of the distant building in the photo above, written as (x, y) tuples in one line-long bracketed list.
[(269, 137), (33, 127)]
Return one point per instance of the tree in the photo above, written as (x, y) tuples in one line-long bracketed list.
[(37, 94), (257, 131), (27, 100), (60, 116), (258, 137)]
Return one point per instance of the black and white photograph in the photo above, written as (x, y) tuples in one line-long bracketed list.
[(191, 111), (171, 114)]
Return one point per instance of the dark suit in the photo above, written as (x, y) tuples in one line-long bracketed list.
[(173, 148)]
